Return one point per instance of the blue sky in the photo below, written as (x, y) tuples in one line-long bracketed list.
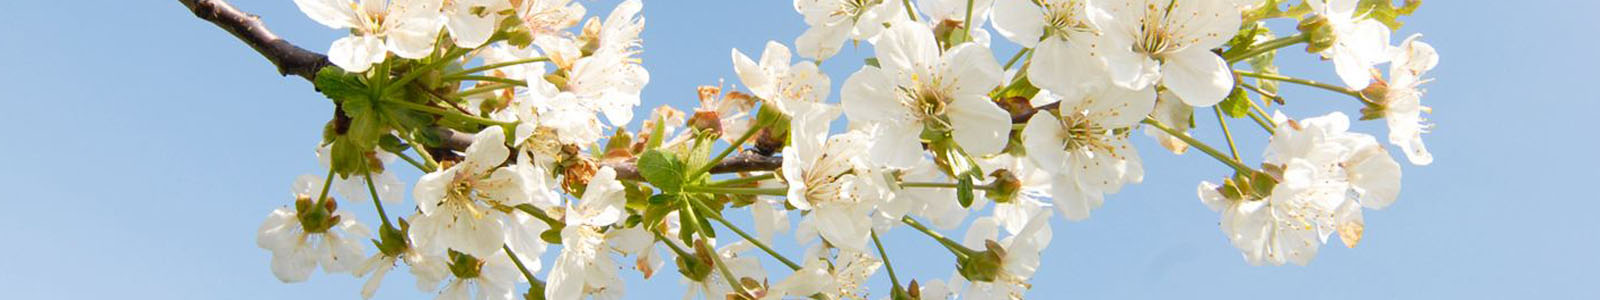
[(143, 147)]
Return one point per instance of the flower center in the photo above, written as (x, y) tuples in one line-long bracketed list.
[(1063, 17), (1082, 133), (1158, 33)]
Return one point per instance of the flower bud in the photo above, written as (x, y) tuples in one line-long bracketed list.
[(983, 266), (1005, 187), (1319, 36)]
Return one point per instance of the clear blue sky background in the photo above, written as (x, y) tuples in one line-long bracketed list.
[(142, 147)]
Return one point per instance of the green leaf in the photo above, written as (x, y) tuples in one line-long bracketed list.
[(1385, 11), (663, 170), (1237, 104), (340, 85), (392, 144), (964, 191), (872, 61)]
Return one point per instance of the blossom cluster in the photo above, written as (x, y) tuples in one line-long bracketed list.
[(518, 113)]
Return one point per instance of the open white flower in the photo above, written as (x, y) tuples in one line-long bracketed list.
[(493, 277), (1084, 145), (585, 266), (1019, 260), (407, 28), (301, 240), (1169, 41), (778, 82), (472, 22), (609, 80), (1328, 175), (918, 88), (428, 269), (457, 203), (1360, 42), (548, 17), (1402, 102), (826, 176), (1062, 36), (834, 21), (1035, 186)]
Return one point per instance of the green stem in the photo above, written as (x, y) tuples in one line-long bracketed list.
[(1237, 166), (539, 214), (375, 201), (1307, 82), (326, 183), (410, 160), (727, 151), (968, 21), (774, 253), (886, 265), (780, 191), (733, 283), (1223, 121), (483, 89), (449, 114), (497, 66), (1267, 47), (910, 12), (414, 73), (1015, 58), (942, 185), (518, 262), (743, 180), (484, 79), (427, 158), (953, 246)]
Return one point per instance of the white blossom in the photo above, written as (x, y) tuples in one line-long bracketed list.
[(407, 28), (1062, 36), (1328, 175), (919, 88), (1169, 41), (1359, 44), (584, 266), (472, 22), (1082, 147), (1402, 102), (778, 82), (834, 21), (491, 278), (825, 176), (458, 203), (297, 249)]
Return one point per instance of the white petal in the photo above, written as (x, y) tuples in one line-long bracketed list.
[(980, 126), (488, 151), (1042, 139), (754, 78), (973, 69), (356, 53), (906, 45), (869, 96), (821, 42), (335, 14), (1020, 21), (1063, 66), (1199, 77)]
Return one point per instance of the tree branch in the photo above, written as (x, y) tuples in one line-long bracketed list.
[(293, 60), (290, 59)]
